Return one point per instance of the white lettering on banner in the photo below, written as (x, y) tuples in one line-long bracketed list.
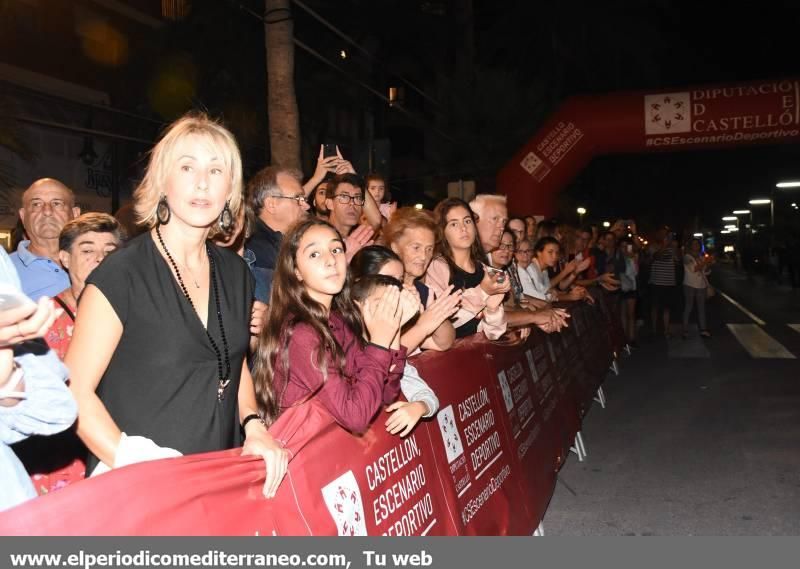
[(461, 461), (474, 505), (525, 411), (414, 519), (515, 371), (520, 391), (778, 134), (747, 122), (522, 450), (486, 450), (742, 91), (392, 498), (559, 141), (473, 404), (477, 428), (392, 461), (674, 113)]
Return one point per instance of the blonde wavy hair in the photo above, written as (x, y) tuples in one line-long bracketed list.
[(150, 190)]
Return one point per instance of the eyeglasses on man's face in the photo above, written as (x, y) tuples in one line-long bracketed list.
[(507, 246), (524, 251), (357, 199), (300, 199)]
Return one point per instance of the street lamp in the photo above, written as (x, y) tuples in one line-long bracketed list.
[(697, 234), (791, 184), (581, 212), (741, 211), (606, 224), (761, 201), (730, 218)]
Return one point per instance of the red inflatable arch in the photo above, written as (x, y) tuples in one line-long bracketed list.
[(716, 116)]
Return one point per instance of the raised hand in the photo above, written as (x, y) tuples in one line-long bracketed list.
[(583, 265), (342, 165), (382, 317), (325, 165), (440, 310), (27, 322), (409, 305), (359, 238), (492, 283), (496, 299)]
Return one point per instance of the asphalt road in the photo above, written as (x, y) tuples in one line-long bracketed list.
[(699, 437)]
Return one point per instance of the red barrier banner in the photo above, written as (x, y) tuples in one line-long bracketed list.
[(477, 470), (711, 116), (374, 484), (533, 440), (484, 465)]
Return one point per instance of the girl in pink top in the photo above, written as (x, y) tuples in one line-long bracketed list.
[(459, 261)]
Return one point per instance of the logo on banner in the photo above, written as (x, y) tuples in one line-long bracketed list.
[(534, 166), (667, 113), (532, 366), (343, 499), (501, 377), (450, 436)]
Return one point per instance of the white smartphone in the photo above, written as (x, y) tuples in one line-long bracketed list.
[(11, 298), (579, 256)]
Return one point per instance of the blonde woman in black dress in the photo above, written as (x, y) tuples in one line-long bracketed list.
[(162, 332)]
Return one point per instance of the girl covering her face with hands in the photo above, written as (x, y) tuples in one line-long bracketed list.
[(421, 400), (313, 343)]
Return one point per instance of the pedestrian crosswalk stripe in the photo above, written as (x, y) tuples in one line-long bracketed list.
[(752, 316), (758, 343)]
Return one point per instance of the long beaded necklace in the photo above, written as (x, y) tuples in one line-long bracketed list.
[(224, 379)]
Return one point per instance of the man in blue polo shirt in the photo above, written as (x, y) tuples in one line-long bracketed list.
[(47, 205)]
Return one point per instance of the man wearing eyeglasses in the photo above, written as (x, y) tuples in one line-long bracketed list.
[(345, 202), (47, 206), (278, 201)]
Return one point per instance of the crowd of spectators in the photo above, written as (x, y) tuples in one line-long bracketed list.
[(235, 302)]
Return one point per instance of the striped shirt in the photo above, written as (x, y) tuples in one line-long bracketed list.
[(662, 270)]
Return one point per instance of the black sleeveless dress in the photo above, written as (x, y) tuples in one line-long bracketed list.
[(162, 380)]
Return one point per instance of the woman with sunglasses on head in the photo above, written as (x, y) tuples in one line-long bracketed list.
[(160, 339)]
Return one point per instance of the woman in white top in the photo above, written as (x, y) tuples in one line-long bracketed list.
[(546, 254), (695, 284)]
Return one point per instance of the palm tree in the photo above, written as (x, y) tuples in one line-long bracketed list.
[(284, 122)]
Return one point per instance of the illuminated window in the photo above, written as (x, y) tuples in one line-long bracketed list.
[(175, 10)]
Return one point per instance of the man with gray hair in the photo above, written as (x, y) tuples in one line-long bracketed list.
[(47, 206), (492, 218), (278, 201)]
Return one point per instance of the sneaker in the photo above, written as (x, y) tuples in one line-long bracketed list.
[(705, 334)]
